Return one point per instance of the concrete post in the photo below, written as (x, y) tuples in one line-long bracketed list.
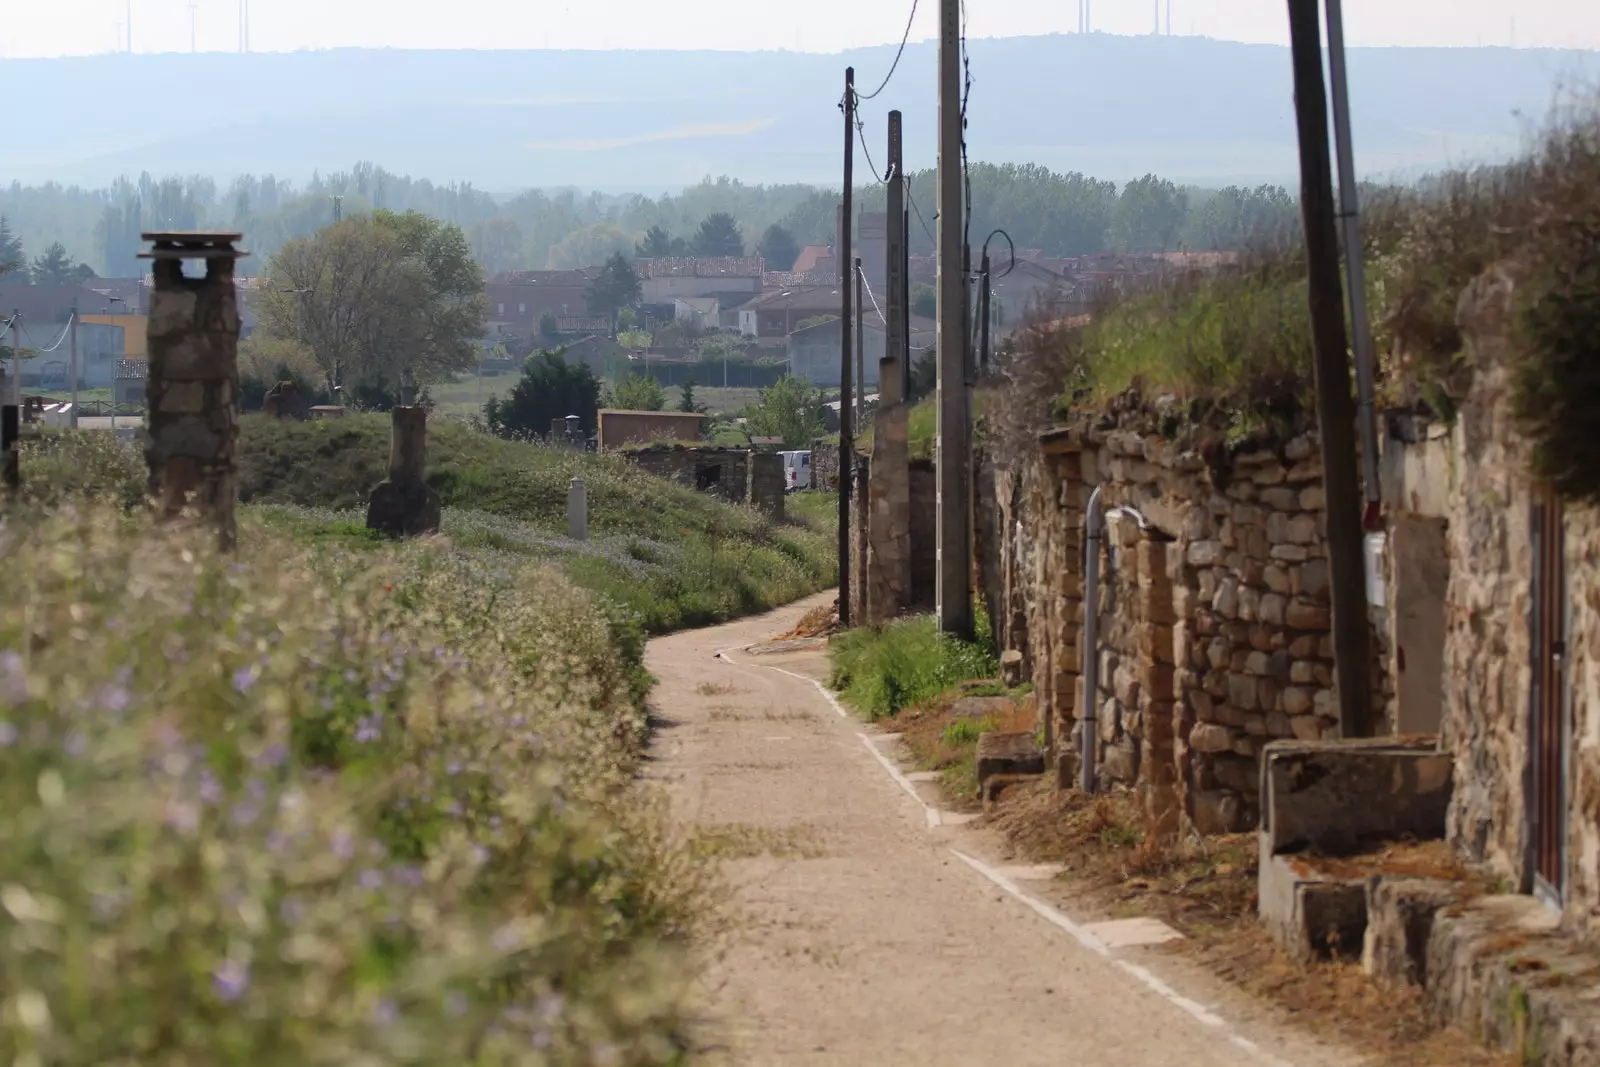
[(577, 511), (404, 505), (192, 388)]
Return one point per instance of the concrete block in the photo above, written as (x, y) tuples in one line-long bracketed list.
[(1008, 754), (1333, 797), (1312, 916)]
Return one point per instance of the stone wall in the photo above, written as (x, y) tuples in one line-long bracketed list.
[(824, 464), (767, 484), (1214, 610), (723, 472), (924, 535), (1488, 646)]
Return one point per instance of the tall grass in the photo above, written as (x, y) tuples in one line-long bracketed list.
[(881, 671), (322, 805)]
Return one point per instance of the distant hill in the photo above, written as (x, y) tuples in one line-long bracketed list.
[(1188, 108)]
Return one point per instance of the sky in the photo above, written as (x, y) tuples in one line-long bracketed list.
[(36, 28)]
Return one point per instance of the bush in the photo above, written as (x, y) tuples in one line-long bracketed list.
[(377, 814), (881, 671)]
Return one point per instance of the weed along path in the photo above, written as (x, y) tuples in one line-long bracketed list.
[(867, 929)]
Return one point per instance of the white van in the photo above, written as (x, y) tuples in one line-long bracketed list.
[(796, 470)]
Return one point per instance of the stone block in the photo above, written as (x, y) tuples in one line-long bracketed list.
[(1313, 916), (1202, 705), (1297, 700), (1272, 474), (1210, 737), (1299, 448), (1226, 600), (1304, 529), (1312, 498), (1279, 664), (1246, 746), (1011, 668), (1274, 608), (1306, 728), (1255, 726), (1154, 681), (983, 707), (1281, 498), (1290, 553), (407, 509), (1120, 762), (1400, 914), (1219, 811), (1314, 579), (1016, 754), (1242, 490), (1300, 674), (1333, 797), (1303, 614), (1249, 604), (1242, 691), (1278, 725), (1204, 553), (1236, 773), (1267, 695), (1257, 663), (1275, 577)]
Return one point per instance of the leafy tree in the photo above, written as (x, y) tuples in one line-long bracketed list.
[(615, 287), (1149, 216), (924, 373), (588, 245), (790, 408), (54, 267), (550, 327), (638, 392), (550, 388), (719, 236), (656, 244), (379, 300), (686, 401), (779, 248), (83, 272), (924, 300), (497, 244), (1234, 218), (12, 258)]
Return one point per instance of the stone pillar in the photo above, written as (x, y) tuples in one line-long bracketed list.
[(192, 388), (405, 506), (888, 498), (860, 522), (577, 511)]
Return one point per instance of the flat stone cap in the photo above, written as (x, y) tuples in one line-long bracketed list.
[(193, 244)]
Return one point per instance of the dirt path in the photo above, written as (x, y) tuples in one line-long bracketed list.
[(862, 938)]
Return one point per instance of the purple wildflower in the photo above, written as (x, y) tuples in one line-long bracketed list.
[(76, 744), (184, 818), (384, 1013), (370, 727), (505, 939), (344, 845), (231, 979), (210, 788), (113, 698), (455, 1003), (371, 879), (410, 876), (291, 911), (13, 682), (273, 755), (245, 677)]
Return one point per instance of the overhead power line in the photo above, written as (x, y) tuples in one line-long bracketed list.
[(896, 64)]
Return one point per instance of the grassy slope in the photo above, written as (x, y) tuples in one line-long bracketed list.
[(676, 557)]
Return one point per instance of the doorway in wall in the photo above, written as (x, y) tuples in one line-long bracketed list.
[(1549, 734)]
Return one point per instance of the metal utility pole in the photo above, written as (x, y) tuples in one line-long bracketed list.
[(338, 208), (1335, 408), (894, 326), (1354, 260), (192, 9), (954, 427), (861, 348), (847, 447), (73, 366)]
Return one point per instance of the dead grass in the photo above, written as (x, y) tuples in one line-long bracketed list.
[(1206, 888), (714, 689), (943, 740), (733, 841), (820, 621)]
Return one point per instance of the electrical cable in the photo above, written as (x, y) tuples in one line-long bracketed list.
[(918, 212), (58, 342), (868, 287), (896, 64), (861, 135)]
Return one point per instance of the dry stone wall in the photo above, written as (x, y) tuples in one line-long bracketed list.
[(1214, 611)]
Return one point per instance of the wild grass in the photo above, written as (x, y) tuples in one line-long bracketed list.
[(667, 555), (880, 671), (323, 802)]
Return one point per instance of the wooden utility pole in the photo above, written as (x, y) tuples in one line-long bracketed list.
[(847, 448), (954, 427), (1335, 409), (73, 369)]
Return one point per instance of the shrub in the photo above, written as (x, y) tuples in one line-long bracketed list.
[(377, 813), (881, 671)]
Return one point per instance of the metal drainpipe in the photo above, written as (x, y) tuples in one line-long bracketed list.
[(1094, 529)]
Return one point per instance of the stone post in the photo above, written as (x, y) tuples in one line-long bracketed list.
[(405, 506), (577, 511), (888, 584), (192, 388)]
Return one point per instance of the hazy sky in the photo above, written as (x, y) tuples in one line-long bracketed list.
[(60, 27)]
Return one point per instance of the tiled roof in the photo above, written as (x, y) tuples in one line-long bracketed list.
[(132, 368), (701, 267), (579, 277), (810, 256)]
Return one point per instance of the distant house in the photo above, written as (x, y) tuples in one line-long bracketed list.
[(519, 299), (664, 279), (814, 352), (813, 258), (701, 312), (773, 317), (1027, 288), (129, 385)]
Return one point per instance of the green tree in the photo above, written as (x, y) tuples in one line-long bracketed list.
[(790, 409), (54, 267), (550, 327), (1150, 215), (638, 392), (686, 401), (719, 236), (779, 248), (12, 258), (497, 244), (1236, 218), (924, 300), (615, 287), (379, 301), (550, 388), (656, 243)]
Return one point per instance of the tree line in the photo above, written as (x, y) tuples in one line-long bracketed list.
[(1062, 214)]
